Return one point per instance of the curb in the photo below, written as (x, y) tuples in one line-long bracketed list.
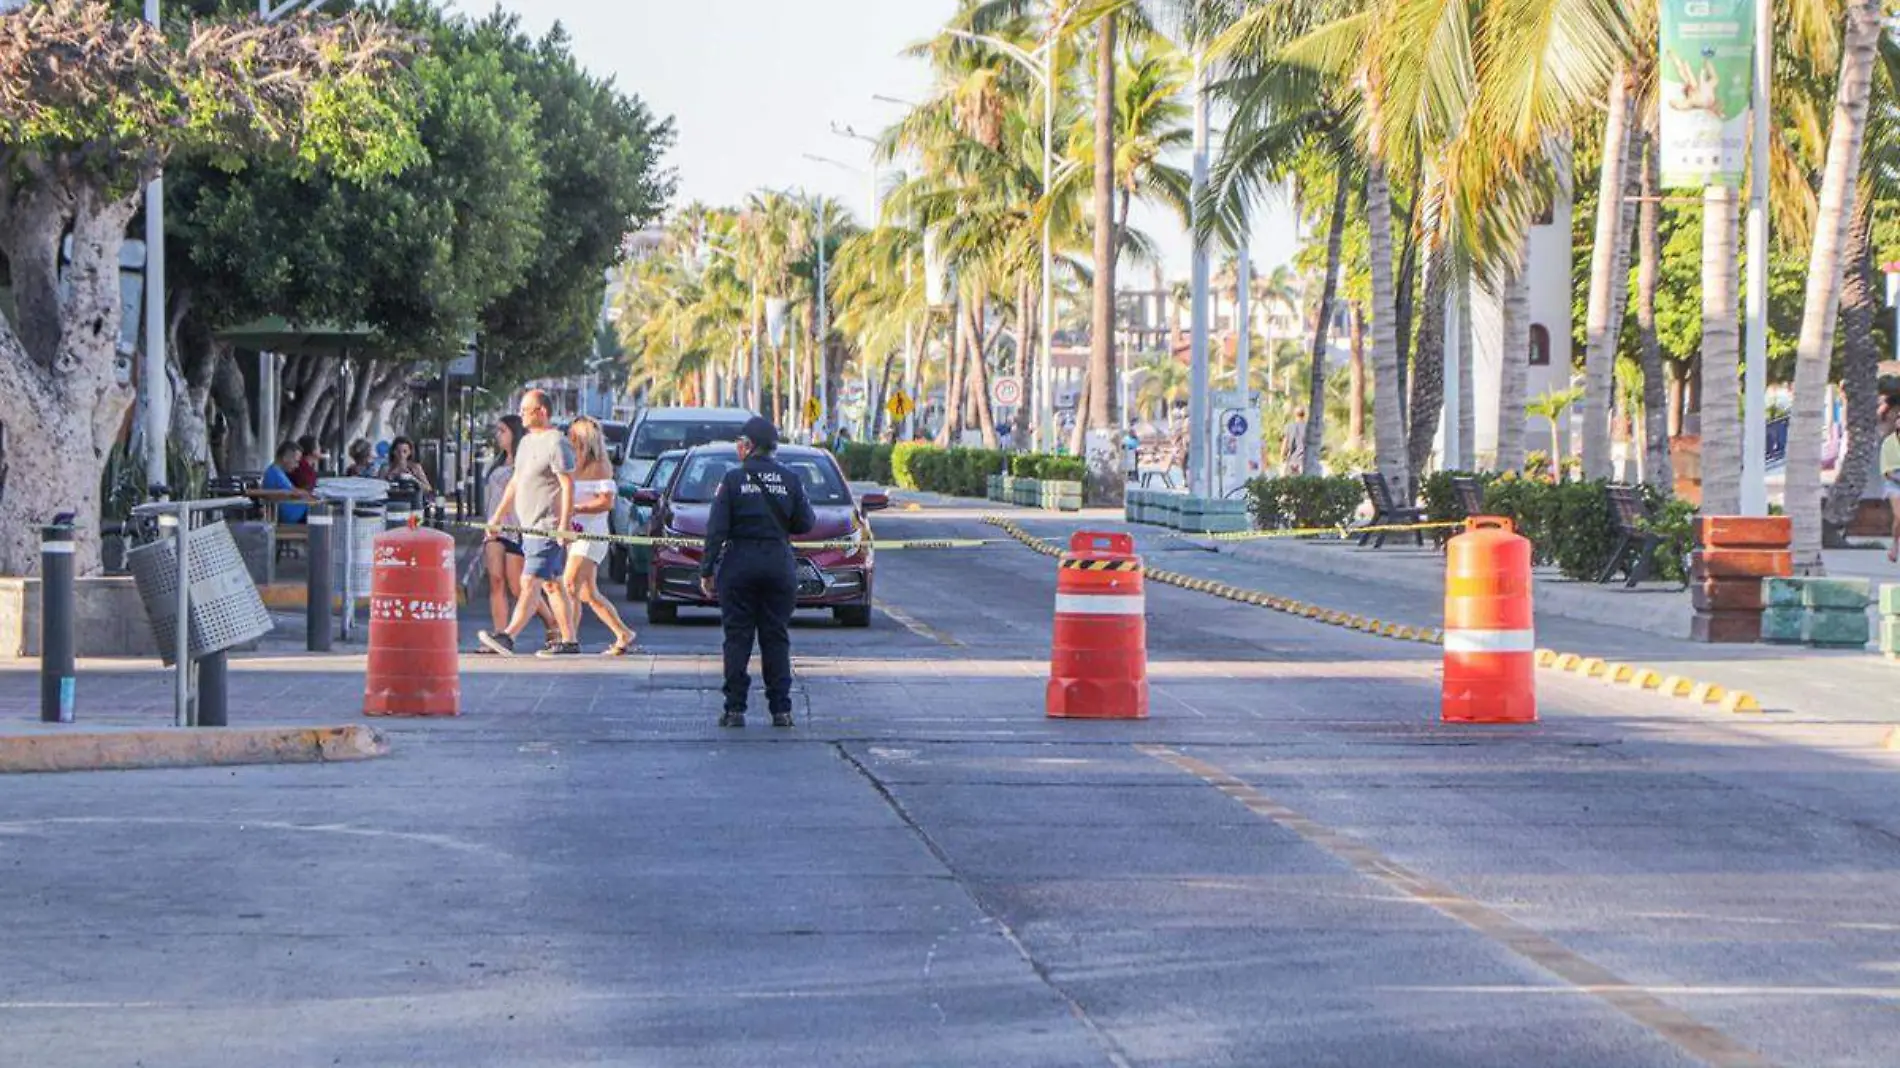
[(188, 748), (1615, 673)]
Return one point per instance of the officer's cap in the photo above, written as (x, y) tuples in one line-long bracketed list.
[(761, 433)]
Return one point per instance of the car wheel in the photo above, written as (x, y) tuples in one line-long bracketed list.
[(852, 615), (659, 611)]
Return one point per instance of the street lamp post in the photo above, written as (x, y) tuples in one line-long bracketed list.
[(1041, 64), (1198, 451), (1754, 498)]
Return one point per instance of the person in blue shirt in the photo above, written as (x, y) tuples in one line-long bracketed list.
[(277, 481)]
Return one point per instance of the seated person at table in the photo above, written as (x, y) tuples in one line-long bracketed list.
[(277, 482), (309, 465)]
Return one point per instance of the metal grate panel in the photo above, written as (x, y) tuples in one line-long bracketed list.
[(226, 610)]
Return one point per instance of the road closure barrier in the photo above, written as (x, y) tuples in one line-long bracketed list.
[(413, 667), (1490, 645), (1098, 665)]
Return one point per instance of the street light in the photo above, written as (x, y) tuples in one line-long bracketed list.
[(1040, 63)]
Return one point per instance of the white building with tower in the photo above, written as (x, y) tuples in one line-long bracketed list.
[(1546, 347)]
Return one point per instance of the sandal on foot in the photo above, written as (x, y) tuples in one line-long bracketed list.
[(621, 648)]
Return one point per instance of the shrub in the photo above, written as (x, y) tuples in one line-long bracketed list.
[(863, 462), (902, 456), (1441, 498), (1047, 468), (1571, 527), (1300, 501)]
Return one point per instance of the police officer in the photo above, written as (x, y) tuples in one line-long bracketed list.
[(756, 510)]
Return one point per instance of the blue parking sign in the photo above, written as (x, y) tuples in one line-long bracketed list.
[(1237, 425)]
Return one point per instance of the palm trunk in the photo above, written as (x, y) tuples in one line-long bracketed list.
[(1467, 400), (1388, 420), (952, 429), (1356, 390), (1658, 401), (1316, 389), (1428, 367), (1860, 378), (1827, 260), (1721, 364), (1026, 356), (980, 376), (1601, 322), (1514, 362), (1102, 321)]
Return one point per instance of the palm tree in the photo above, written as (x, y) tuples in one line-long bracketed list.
[(1554, 405), (1815, 347), (1608, 272), (1164, 383)]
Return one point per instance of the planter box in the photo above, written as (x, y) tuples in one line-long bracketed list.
[(1727, 595), (1726, 628), (110, 618), (1740, 563), (1784, 624), (1744, 532), (1838, 628), (1836, 593)]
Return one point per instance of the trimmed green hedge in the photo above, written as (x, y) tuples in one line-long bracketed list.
[(956, 472), (866, 463), (1304, 501)]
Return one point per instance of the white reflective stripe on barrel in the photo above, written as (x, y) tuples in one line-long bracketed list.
[(1490, 641), (57, 548), (1116, 604)]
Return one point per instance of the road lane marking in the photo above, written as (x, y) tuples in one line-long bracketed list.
[(1640, 1004), (917, 626)]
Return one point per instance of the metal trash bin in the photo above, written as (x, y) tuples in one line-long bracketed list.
[(360, 556), (226, 610)]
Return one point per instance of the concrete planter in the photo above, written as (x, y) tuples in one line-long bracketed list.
[(111, 618)]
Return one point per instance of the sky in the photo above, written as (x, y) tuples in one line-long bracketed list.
[(755, 86)]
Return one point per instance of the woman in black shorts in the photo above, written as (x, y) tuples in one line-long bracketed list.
[(502, 552)]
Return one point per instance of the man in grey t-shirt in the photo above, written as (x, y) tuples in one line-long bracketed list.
[(541, 493)]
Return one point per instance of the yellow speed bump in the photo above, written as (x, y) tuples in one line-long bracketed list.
[(1568, 661), (1740, 701), (1678, 686), (1546, 657), (1594, 667), (1647, 679), (1707, 693)]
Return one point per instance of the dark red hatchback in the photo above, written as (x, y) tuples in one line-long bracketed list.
[(835, 578)]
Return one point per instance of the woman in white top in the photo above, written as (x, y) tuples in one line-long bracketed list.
[(594, 492)]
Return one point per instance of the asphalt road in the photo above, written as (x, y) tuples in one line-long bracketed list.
[(1289, 863)]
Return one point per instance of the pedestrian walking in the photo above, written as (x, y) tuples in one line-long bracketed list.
[(1293, 446), (501, 551), (595, 491), (541, 495), (1890, 469), (750, 567)]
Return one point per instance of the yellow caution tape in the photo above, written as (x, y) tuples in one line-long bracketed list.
[(641, 539), (1313, 532)]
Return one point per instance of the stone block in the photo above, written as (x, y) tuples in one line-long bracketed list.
[(1744, 532), (1726, 628), (1727, 595), (1890, 600), (110, 618), (1781, 592), (1890, 635), (1740, 563), (1784, 624), (1836, 593), (1836, 628)]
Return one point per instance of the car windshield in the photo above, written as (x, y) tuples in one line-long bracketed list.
[(662, 470), (656, 436), (701, 475)]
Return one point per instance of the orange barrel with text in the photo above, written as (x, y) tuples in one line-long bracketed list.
[(1099, 666), (413, 664), (1490, 646)]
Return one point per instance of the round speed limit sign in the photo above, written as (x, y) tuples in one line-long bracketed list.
[(1007, 391)]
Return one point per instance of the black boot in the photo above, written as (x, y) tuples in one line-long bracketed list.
[(730, 718)]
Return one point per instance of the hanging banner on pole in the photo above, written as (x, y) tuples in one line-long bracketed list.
[(1706, 77)]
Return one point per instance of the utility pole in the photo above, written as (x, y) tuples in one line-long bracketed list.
[(1198, 452)]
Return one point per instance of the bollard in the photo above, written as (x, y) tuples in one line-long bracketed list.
[(213, 690), (1099, 662), (1490, 646), (317, 594), (57, 674), (414, 663)]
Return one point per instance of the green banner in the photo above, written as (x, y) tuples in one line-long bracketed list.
[(1706, 78)]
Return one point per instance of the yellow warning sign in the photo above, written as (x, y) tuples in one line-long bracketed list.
[(812, 410), (899, 405)]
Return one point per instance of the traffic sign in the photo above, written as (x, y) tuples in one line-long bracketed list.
[(1007, 391), (899, 405), (812, 410), (1237, 425)]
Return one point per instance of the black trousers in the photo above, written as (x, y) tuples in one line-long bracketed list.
[(758, 589)]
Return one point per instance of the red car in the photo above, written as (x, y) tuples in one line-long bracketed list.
[(837, 578)]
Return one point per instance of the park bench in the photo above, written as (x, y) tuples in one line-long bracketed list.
[(1162, 458), (1387, 512), (1635, 552), (1470, 494)]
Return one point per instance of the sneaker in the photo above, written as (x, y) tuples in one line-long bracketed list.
[(560, 649), (732, 719), (781, 719), (499, 643)]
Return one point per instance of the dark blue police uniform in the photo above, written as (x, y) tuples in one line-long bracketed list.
[(758, 507)]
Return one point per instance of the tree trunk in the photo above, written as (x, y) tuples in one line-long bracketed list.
[(1514, 362), (1356, 390), (1721, 337), (952, 427), (1428, 367), (1102, 321), (242, 451), (1329, 287), (1860, 378), (1467, 379), (1659, 398), (1601, 321), (881, 401), (1388, 424), (60, 398), (1027, 353), (980, 376), (1814, 350)]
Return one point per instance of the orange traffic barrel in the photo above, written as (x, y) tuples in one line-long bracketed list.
[(413, 668), (1490, 646), (1099, 666)]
